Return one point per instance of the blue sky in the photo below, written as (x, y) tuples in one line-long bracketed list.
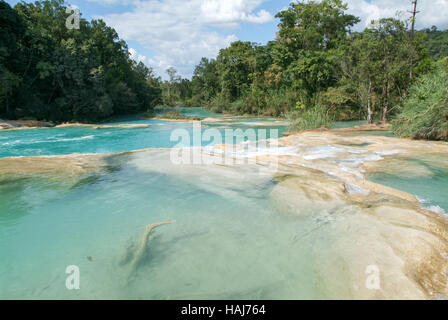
[(177, 33)]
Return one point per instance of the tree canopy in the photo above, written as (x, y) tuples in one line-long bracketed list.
[(48, 71), (316, 68)]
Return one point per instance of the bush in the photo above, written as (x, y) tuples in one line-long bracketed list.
[(314, 117), (425, 112), (238, 107), (279, 102), (272, 102), (269, 102), (219, 104)]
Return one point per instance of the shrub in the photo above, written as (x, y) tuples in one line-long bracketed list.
[(425, 112), (280, 102), (218, 104), (311, 118)]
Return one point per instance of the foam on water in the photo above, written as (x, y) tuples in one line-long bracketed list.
[(73, 139), (427, 204), (436, 209)]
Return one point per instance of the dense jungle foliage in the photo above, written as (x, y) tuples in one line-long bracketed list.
[(51, 72)]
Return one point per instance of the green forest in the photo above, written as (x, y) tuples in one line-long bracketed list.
[(436, 41), (50, 72), (317, 70)]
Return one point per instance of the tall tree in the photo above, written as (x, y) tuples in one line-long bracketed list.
[(309, 35), (12, 30), (414, 13)]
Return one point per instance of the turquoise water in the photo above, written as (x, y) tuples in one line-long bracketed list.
[(347, 124), (223, 219), (63, 141), (354, 123), (228, 241), (431, 190)]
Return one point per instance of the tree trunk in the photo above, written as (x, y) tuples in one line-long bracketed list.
[(369, 105), (369, 115), (414, 12), (386, 103)]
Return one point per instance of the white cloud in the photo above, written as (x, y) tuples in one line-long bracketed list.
[(138, 57), (432, 12), (180, 32), (113, 2), (231, 12)]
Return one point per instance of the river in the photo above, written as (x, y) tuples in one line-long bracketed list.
[(87, 197)]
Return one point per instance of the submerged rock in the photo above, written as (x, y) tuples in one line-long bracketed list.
[(308, 192), (74, 165)]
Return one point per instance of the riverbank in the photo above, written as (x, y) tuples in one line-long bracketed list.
[(17, 124), (32, 124), (375, 127)]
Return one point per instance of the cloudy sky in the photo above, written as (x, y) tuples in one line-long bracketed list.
[(177, 33)]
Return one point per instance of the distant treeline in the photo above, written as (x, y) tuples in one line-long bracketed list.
[(318, 70), (437, 42), (50, 72)]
